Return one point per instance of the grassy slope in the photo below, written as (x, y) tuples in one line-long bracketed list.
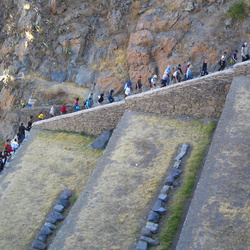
[(181, 197), (53, 162), (132, 174)]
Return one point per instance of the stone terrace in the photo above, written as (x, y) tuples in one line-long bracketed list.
[(201, 97)]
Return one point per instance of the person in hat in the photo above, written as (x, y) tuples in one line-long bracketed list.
[(139, 84), (245, 52)]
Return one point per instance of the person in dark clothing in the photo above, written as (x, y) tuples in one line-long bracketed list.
[(139, 84), (204, 68), (21, 131), (1, 162), (101, 98), (30, 123), (110, 96)]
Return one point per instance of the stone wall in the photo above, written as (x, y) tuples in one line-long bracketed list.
[(91, 121), (201, 97)]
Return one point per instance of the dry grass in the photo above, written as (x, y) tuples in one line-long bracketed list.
[(118, 64), (53, 163), (132, 175), (1, 145), (60, 93)]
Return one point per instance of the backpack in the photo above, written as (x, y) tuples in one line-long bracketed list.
[(185, 70), (149, 79)]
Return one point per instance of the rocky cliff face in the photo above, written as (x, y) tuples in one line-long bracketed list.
[(99, 44)]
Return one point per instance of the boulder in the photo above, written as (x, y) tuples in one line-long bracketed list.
[(146, 232), (37, 244), (165, 189), (84, 76), (56, 215), (169, 180), (58, 76), (67, 193), (43, 237), (59, 208), (163, 197), (102, 140), (150, 241), (45, 230), (64, 202), (142, 245), (184, 148), (154, 217)]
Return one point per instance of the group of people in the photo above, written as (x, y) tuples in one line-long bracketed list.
[(176, 74), (11, 146)]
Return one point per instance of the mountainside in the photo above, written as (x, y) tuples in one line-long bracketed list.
[(99, 44)]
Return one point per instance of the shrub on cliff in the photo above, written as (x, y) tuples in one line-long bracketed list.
[(237, 10)]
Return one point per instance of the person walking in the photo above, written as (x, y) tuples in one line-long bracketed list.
[(245, 52), (63, 109), (52, 110), (110, 96), (154, 80), (30, 122), (204, 68), (101, 98), (165, 80), (138, 85), (76, 104), (234, 58), (188, 74), (21, 133), (222, 61)]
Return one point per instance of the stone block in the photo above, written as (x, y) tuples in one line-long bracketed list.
[(39, 245), (184, 148), (56, 215), (59, 208), (165, 189), (163, 197), (146, 232), (154, 217), (150, 241), (169, 181), (142, 245), (45, 230)]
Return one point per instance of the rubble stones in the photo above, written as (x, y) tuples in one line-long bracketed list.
[(45, 230), (37, 244), (163, 197), (150, 241), (59, 208), (146, 232), (55, 215), (154, 217), (165, 189), (142, 245), (158, 209), (169, 180)]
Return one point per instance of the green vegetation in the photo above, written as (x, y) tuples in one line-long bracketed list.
[(186, 189), (72, 132), (237, 10)]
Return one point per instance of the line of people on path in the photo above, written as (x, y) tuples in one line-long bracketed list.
[(11, 146), (176, 75)]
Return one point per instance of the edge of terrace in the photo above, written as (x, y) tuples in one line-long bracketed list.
[(200, 97)]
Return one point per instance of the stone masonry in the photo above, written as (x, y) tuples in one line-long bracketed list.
[(201, 97)]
